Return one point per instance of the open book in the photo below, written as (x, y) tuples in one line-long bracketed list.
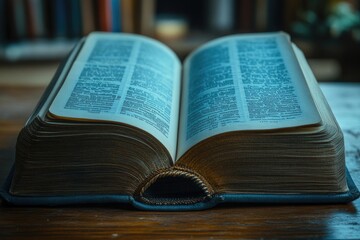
[(123, 121)]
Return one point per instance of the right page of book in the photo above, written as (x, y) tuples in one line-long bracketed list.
[(243, 82)]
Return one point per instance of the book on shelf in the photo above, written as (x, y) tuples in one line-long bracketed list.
[(116, 16), (74, 18), (88, 18), (128, 16), (242, 120), (35, 19), (19, 30)]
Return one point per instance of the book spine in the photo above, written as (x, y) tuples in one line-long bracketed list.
[(147, 21), (221, 15), (115, 15), (127, 16), (88, 16), (75, 25), (30, 19), (36, 21), (18, 7), (105, 15), (48, 18), (59, 18)]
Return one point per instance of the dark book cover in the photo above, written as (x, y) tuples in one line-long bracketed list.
[(59, 18), (74, 18), (116, 16)]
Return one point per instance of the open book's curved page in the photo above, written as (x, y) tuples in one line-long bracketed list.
[(124, 78), (247, 82)]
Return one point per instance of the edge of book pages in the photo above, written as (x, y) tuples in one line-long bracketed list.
[(240, 198), (245, 198)]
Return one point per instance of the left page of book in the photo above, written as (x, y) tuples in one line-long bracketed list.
[(127, 79)]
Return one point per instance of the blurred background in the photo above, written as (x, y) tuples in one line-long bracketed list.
[(35, 35)]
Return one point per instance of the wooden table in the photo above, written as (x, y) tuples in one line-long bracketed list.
[(226, 221)]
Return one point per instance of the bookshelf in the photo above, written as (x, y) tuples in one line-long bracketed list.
[(47, 29), (55, 25), (203, 20), (327, 31)]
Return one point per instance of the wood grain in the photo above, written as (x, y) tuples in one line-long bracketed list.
[(230, 221)]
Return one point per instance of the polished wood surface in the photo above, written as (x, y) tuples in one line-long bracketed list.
[(334, 221)]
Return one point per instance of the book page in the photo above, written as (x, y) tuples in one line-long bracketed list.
[(243, 82), (124, 78)]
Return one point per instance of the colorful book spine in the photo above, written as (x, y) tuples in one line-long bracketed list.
[(115, 15), (105, 18)]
